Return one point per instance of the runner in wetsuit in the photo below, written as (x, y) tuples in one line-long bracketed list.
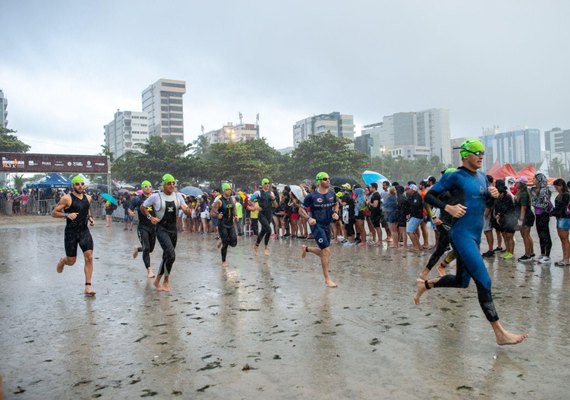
[(166, 205), (223, 209), (443, 224), (266, 200), (469, 192), (146, 231), (323, 204), (74, 208)]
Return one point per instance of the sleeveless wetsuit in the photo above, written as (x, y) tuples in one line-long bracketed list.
[(226, 227), (265, 215), (76, 231), (146, 231), (470, 189)]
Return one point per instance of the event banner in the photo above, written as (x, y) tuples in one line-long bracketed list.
[(27, 162)]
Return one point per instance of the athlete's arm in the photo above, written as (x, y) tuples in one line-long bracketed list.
[(89, 217), (64, 202), (214, 211), (152, 200)]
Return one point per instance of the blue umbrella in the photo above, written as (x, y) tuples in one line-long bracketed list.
[(192, 191), (370, 177), (109, 198)]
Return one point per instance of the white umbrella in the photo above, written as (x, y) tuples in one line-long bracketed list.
[(298, 192)]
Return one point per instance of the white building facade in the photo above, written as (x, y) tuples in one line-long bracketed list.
[(126, 132), (163, 103), (410, 133), (335, 123), (233, 133)]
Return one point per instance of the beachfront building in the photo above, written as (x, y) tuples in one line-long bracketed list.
[(126, 132), (335, 123), (162, 101)]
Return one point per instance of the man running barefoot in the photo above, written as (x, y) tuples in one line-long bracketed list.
[(166, 205), (323, 205), (146, 231), (224, 209), (266, 201), (74, 207), (468, 194)]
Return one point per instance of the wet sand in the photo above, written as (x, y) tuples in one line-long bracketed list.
[(267, 327)]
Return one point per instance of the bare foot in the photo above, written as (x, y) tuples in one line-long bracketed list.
[(507, 338), (266, 251), (135, 252), (149, 273), (88, 290), (304, 251), (331, 284), (157, 285), (60, 265), (441, 270), (362, 244), (420, 283), (424, 274), (165, 286), (225, 264), (256, 250)]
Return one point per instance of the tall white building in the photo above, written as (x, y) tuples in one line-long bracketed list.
[(335, 123), (3, 110), (413, 131), (162, 101), (126, 132), (521, 146), (233, 133)]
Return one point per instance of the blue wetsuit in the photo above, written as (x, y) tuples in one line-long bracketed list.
[(469, 189), (321, 207)]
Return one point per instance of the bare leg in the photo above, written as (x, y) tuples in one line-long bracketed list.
[(422, 286), (149, 273), (157, 284), (65, 261), (165, 285), (325, 253), (504, 337), (88, 269)]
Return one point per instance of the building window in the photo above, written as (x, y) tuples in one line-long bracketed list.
[(175, 101), (176, 85)]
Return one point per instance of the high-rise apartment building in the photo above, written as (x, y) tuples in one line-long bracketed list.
[(335, 123), (3, 110), (162, 101), (126, 132), (557, 140), (520, 146), (409, 134)]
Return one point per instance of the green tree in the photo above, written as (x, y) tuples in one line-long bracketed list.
[(326, 153), (19, 182), (10, 143), (106, 151)]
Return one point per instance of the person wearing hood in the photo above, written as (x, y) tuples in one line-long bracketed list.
[(540, 200)]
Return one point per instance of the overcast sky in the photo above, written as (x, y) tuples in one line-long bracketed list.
[(67, 66)]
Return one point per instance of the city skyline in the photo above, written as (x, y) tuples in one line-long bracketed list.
[(67, 70)]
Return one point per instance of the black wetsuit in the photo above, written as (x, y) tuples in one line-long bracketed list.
[(226, 227), (443, 240), (167, 237), (146, 231), (76, 231), (265, 217)]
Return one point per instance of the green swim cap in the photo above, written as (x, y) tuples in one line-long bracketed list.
[(449, 170), (77, 179), (226, 186), (146, 183), (167, 178), (321, 176), (470, 146), (264, 181)]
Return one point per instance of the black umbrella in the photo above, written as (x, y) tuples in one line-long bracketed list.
[(341, 180)]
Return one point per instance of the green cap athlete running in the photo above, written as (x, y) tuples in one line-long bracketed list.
[(167, 178), (264, 181), (471, 146), (226, 186), (146, 184), (77, 179)]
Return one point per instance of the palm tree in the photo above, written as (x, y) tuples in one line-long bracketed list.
[(18, 182)]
